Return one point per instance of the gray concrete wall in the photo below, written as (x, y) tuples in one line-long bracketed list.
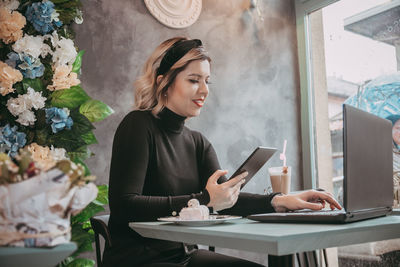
[(254, 96)]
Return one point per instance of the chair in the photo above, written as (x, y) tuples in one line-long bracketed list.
[(100, 227), (310, 259)]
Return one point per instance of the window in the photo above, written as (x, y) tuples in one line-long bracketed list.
[(359, 49), (345, 48), (343, 45)]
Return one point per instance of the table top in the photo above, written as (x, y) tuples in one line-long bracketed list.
[(35, 257), (274, 238)]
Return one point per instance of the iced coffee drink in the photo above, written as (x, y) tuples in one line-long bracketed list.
[(280, 179)]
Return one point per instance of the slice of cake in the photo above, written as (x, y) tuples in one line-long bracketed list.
[(194, 211)]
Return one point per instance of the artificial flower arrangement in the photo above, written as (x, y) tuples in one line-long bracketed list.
[(43, 107), (39, 190)]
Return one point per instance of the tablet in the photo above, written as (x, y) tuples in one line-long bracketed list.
[(254, 162)]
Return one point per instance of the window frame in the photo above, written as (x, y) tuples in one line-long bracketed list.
[(303, 8)]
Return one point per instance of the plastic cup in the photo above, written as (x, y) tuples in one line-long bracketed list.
[(280, 181)]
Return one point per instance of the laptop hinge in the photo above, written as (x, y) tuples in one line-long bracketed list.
[(371, 210)]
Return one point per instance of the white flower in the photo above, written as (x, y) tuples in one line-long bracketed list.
[(66, 111), (58, 153), (9, 4), (17, 105), (79, 18), (35, 98), (53, 38), (54, 16), (27, 118), (65, 52), (32, 45), (23, 104)]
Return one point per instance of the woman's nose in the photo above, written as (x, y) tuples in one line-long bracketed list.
[(203, 88)]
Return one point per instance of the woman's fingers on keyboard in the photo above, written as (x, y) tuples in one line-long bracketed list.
[(312, 206), (317, 196), (328, 197)]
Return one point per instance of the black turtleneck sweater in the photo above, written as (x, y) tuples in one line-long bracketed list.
[(157, 166)]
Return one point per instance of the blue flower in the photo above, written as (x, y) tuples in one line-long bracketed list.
[(11, 140), (43, 16), (12, 59), (58, 118), (30, 67)]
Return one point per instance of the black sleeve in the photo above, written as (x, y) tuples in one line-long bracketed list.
[(247, 203), (129, 165)]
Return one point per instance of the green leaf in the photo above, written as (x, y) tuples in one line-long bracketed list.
[(87, 213), (80, 234), (87, 225), (102, 195), (66, 139), (41, 137), (83, 246), (69, 98), (76, 66), (65, 262), (4, 50), (89, 138), (83, 238), (41, 120), (47, 77), (35, 84), (59, 1), (80, 262), (87, 171), (19, 88), (82, 153), (95, 110), (5, 115), (81, 124), (22, 87)]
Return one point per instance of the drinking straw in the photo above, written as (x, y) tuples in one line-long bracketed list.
[(282, 156)]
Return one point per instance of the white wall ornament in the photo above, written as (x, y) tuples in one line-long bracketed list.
[(176, 14)]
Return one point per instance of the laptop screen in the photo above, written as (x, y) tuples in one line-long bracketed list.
[(368, 160)]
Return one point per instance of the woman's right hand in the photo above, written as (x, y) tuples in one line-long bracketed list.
[(225, 195)]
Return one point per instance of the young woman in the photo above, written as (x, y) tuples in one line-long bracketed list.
[(158, 164)]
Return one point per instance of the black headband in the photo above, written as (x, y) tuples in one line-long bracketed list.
[(176, 52)]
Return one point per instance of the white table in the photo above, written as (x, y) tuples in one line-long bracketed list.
[(35, 257), (274, 238)]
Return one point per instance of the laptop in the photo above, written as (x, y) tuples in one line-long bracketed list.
[(368, 173)]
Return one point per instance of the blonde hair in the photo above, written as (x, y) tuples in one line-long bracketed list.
[(150, 95)]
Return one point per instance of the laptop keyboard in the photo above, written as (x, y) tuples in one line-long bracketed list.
[(317, 212)]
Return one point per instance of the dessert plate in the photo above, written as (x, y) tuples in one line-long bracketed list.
[(214, 219)]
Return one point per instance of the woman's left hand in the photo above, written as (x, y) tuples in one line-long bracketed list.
[(310, 199)]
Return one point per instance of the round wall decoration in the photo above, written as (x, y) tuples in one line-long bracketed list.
[(175, 13)]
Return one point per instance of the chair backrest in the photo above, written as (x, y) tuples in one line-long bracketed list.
[(100, 227)]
